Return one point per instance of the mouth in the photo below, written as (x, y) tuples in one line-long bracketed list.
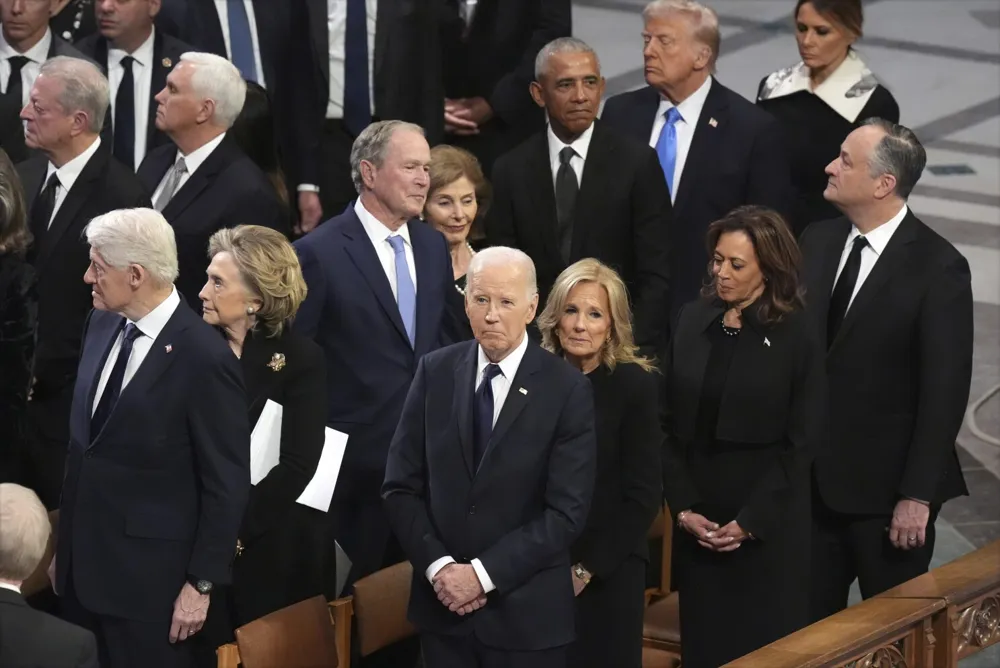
[(574, 339)]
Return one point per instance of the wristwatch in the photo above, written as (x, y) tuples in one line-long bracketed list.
[(582, 573), (203, 587)]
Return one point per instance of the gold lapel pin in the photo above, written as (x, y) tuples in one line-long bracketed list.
[(166, 62)]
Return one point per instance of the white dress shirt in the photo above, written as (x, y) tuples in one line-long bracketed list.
[(580, 145), (37, 55), (68, 174), (336, 25), (150, 325), (877, 239), (223, 10), (501, 388), (10, 587), (690, 110), (379, 235), (192, 162), (142, 77)]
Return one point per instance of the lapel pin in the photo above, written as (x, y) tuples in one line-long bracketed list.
[(166, 62), (767, 342), (713, 122), (169, 348), (523, 391)]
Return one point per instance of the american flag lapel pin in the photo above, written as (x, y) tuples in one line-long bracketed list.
[(713, 122), (169, 348), (767, 342), (523, 391)]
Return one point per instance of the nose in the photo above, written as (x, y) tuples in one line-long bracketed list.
[(807, 38), (648, 50), (26, 112), (159, 96), (492, 315), (18, 7), (831, 169), (578, 323), (203, 294), (88, 276)]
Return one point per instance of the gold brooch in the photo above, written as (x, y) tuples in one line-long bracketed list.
[(166, 62), (277, 362)]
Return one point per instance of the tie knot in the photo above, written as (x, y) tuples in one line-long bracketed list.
[(53, 181), (491, 372), (397, 243), (566, 154), (132, 332), (181, 166), (673, 115), (17, 63), (859, 243), (127, 61)]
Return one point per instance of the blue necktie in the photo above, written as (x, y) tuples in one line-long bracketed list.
[(240, 41), (483, 415), (666, 146), (406, 294), (357, 102), (113, 389)]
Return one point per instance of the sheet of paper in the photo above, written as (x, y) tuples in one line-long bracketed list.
[(265, 442), (319, 492)]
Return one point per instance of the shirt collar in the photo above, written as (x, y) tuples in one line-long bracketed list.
[(878, 238), (846, 90), (194, 159), (39, 53), (11, 587), (508, 365), (376, 230), (153, 322), (581, 144), (143, 55), (70, 172), (690, 108)]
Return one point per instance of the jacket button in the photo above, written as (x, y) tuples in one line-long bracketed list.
[(88, 454), (472, 510)]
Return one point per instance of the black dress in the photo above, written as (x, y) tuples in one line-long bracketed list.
[(627, 496), (17, 341), (814, 130), (743, 415)]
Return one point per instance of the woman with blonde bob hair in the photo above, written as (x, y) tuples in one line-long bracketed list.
[(587, 321), (254, 288)]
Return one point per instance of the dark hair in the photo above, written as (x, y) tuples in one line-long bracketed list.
[(253, 131), (14, 234), (848, 14), (449, 164), (777, 253), (899, 153)]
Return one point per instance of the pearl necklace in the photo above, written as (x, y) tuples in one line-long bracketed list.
[(472, 254), (727, 330)]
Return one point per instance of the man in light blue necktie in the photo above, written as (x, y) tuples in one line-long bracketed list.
[(666, 147), (240, 39)]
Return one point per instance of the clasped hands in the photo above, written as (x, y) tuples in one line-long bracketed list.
[(710, 536), (463, 117), (458, 588)]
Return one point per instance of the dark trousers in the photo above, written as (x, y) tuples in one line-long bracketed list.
[(440, 651), (609, 619), (336, 189), (849, 547), (47, 439)]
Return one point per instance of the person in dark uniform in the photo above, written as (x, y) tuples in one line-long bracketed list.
[(744, 412), (588, 322), (822, 98), (73, 19)]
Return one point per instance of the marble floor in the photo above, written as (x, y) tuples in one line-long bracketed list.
[(941, 60)]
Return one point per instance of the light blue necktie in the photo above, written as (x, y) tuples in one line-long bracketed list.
[(666, 146), (406, 294), (240, 41)]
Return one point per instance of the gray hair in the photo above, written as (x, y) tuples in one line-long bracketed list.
[(561, 45), (24, 532), (898, 153), (84, 88), (502, 255), (704, 22), (136, 236), (372, 145), (215, 78)]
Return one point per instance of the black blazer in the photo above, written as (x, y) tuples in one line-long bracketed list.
[(628, 490), (518, 514), (227, 190), (60, 260), (18, 314), (774, 402), (736, 160), (622, 217), (900, 369), (30, 638), (158, 495), (167, 52)]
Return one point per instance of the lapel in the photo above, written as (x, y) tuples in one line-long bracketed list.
[(600, 154), (641, 115), (383, 18), (423, 257), (202, 178), (155, 165), (707, 144), (706, 314), (319, 36), (211, 27), (516, 400), (463, 394), (831, 250), (92, 367), (257, 376), (542, 195)]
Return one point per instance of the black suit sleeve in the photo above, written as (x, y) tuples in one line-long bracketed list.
[(679, 491), (640, 441), (500, 228), (944, 355), (518, 555), (260, 207), (310, 313), (88, 653), (769, 180), (652, 216), (303, 433)]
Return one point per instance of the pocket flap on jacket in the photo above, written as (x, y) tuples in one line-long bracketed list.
[(155, 523)]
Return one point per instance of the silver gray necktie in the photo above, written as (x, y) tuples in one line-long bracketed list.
[(178, 170)]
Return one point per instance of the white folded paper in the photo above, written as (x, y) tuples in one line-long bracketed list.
[(265, 451)]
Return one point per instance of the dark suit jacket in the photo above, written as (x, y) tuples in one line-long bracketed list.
[(735, 161), (167, 52), (900, 369), (227, 190), (351, 313), (518, 514), (159, 493), (60, 260), (622, 217), (30, 638)]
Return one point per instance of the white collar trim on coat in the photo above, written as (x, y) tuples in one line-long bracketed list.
[(846, 91)]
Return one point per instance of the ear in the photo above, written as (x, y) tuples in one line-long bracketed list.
[(532, 309), (537, 93), (885, 186), (137, 274), (154, 8), (601, 85), (206, 112), (703, 57), (368, 172), (80, 123)]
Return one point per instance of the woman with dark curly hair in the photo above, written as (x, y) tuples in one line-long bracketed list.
[(745, 410)]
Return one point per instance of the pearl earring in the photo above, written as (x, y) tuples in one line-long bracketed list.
[(249, 310)]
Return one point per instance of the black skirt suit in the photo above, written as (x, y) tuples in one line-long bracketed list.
[(744, 414)]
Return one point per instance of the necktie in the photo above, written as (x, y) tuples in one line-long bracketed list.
[(41, 212), (483, 415), (406, 294), (113, 389), (844, 289), (357, 102), (666, 146), (124, 129), (566, 191), (240, 41), (178, 170), (15, 87)]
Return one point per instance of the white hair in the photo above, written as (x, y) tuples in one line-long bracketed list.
[(24, 532), (561, 45), (84, 88), (215, 78), (372, 145), (502, 255), (136, 236), (704, 21)]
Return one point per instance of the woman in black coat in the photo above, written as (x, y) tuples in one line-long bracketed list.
[(588, 322), (822, 99), (745, 411)]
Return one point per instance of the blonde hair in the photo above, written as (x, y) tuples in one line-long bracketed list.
[(24, 532), (269, 268), (620, 348), (704, 22)]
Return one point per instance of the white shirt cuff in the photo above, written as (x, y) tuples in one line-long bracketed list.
[(484, 577), (436, 566), (307, 188)]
